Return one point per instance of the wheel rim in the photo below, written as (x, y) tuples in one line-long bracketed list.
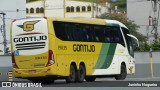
[(72, 74), (82, 72)]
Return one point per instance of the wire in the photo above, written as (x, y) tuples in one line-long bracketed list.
[(136, 1), (158, 14), (10, 18), (13, 10)]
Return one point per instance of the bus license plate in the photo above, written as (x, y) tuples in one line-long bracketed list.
[(32, 71)]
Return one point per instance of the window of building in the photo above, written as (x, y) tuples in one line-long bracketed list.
[(41, 10), (89, 8), (68, 9), (26, 10), (83, 8), (31, 10), (37, 10), (72, 9), (77, 9)]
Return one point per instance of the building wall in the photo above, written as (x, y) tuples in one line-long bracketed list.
[(34, 5), (140, 12), (78, 4), (14, 9), (55, 8)]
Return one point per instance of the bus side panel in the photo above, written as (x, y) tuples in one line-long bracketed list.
[(66, 55), (52, 41), (61, 64), (88, 60), (110, 63)]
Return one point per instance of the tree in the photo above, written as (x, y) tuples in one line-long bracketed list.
[(156, 44), (129, 23), (1, 51), (30, 0), (122, 4)]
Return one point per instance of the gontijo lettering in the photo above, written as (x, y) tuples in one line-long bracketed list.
[(28, 39), (83, 48)]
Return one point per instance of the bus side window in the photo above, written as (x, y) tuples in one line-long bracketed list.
[(99, 32), (75, 29), (116, 35), (58, 28), (107, 34), (68, 31), (87, 30)]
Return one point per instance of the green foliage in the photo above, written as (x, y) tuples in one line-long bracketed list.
[(7, 50), (129, 23), (0, 50), (144, 47), (156, 44), (30, 0), (122, 4)]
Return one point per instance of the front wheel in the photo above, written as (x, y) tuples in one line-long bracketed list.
[(123, 73), (72, 77)]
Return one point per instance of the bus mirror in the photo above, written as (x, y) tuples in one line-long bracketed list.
[(134, 39)]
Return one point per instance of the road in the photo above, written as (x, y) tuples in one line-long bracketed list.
[(104, 82)]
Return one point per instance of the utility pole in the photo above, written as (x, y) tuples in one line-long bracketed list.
[(155, 19), (97, 8), (4, 33)]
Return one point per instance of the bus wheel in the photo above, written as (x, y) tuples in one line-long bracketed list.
[(90, 78), (72, 77), (81, 73), (123, 73)]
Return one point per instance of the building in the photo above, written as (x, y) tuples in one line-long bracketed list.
[(63, 8), (139, 11), (14, 9)]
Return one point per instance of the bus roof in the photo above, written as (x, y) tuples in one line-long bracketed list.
[(88, 20), (93, 21)]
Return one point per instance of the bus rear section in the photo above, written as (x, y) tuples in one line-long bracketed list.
[(31, 56)]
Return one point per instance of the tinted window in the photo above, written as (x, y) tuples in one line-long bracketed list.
[(128, 41), (87, 32)]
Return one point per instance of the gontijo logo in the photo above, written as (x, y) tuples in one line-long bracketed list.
[(28, 26)]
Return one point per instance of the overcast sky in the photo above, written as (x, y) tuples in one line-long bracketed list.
[(10, 8)]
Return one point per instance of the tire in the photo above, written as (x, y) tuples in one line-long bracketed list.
[(90, 78), (123, 73), (81, 74), (72, 77)]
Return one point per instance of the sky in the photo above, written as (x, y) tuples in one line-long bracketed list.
[(11, 13)]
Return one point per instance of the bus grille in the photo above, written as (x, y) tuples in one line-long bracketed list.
[(30, 46)]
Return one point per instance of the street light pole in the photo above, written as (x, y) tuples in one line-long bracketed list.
[(4, 33), (155, 21)]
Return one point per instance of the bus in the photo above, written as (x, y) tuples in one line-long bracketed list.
[(75, 49)]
